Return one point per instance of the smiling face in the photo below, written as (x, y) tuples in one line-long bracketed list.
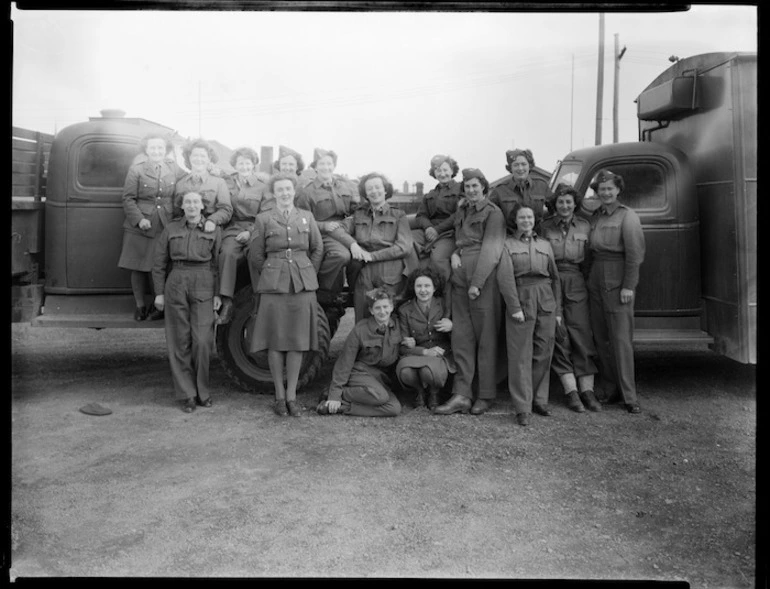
[(520, 168), (199, 159), (325, 167), (381, 310), (424, 289), (525, 220), (192, 205), (156, 150), (244, 165), (474, 189), (565, 205), (607, 192), (284, 193), (288, 164), (443, 172), (375, 192)]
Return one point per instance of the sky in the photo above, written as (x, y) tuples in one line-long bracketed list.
[(385, 90)]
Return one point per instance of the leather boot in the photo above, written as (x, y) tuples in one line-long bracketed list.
[(455, 404), (480, 406), (589, 400), (419, 399), (432, 399), (574, 402)]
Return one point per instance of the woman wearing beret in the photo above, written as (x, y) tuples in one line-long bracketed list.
[(617, 251), (148, 204), (426, 348), (479, 236), (286, 252), (522, 187), (199, 157), (331, 199), (360, 381), (248, 194), (379, 240), (574, 351), (529, 283), (434, 238), (187, 293)]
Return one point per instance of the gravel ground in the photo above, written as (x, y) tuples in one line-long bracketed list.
[(235, 491)]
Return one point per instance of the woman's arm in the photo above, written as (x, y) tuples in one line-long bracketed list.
[(491, 248), (400, 247), (344, 365), (130, 195), (316, 244)]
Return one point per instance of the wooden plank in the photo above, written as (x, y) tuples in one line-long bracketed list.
[(18, 179), (22, 191), (24, 167), (29, 134), (23, 145), (29, 157)]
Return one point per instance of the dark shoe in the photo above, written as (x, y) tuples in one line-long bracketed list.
[(432, 399), (419, 399), (279, 406), (590, 401), (456, 404), (633, 408), (574, 402), (522, 418), (140, 313), (154, 314), (226, 311), (188, 406), (323, 409), (207, 403), (541, 410), (480, 406), (293, 408), (610, 399)]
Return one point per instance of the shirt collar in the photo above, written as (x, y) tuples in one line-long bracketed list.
[(518, 234), (610, 208), (376, 326), (479, 204)]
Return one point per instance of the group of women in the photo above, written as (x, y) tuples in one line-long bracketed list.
[(430, 300)]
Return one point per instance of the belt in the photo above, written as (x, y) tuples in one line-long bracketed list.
[(568, 267), (188, 264), (532, 280), (609, 256), (469, 249), (286, 254)]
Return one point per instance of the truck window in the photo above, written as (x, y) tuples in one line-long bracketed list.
[(103, 164), (645, 185), (568, 173)]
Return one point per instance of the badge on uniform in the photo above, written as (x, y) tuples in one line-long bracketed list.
[(304, 221)]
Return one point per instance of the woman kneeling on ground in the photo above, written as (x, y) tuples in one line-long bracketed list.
[(359, 381)]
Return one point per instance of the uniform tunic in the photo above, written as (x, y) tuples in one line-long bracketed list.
[(246, 197), (416, 324), (147, 194), (533, 192), (286, 254), (189, 290), (329, 202), (617, 250), (385, 234), (479, 236), (574, 351), (359, 377), (213, 190), (529, 282), (437, 210)]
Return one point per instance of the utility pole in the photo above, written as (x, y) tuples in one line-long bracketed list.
[(600, 82), (572, 103), (199, 109), (618, 56)]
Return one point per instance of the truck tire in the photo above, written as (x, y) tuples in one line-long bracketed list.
[(251, 372)]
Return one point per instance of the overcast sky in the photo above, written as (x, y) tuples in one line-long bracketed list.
[(386, 91)]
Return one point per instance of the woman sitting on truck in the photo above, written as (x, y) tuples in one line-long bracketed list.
[(522, 187), (188, 296), (248, 199), (617, 250), (148, 204)]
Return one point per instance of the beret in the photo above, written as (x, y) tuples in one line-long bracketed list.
[(437, 160), (604, 176), (283, 151), (512, 154), (469, 173), (318, 153)]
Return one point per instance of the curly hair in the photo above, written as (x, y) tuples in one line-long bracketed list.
[(297, 158), (146, 139), (452, 163), (202, 144), (512, 154), (366, 177), (281, 176), (560, 190), (510, 222), (378, 294), (607, 176), (246, 152), (179, 199), (429, 272)]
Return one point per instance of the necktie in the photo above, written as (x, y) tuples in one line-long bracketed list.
[(286, 216)]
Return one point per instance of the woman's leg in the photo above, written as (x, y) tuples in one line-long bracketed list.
[(276, 361), (139, 281), (293, 365)]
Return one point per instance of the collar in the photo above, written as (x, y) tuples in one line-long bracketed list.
[(319, 183), (610, 208), (198, 225), (519, 235), (251, 179), (202, 175), (381, 328), (526, 182), (464, 202), (561, 221), (383, 210)]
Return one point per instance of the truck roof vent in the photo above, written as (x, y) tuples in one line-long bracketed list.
[(112, 113)]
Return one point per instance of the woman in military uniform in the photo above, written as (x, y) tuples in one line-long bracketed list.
[(522, 187)]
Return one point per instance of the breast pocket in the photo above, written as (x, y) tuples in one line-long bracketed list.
[(387, 229), (209, 199), (609, 234), (204, 245), (371, 348), (363, 231), (575, 248), (176, 247), (324, 208)]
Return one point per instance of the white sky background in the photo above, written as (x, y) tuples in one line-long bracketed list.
[(386, 91)]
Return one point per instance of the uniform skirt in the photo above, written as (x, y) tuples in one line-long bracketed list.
[(439, 367), (286, 323), (138, 252)]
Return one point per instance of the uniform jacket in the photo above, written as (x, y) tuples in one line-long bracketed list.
[(568, 242), (479, 226), (148, 193), (437, 208), (179, 242), (216, 197), (365, 344), (414, 323), (532, 192), (617, 230), (246, 196), (330, 202), (283, 252)]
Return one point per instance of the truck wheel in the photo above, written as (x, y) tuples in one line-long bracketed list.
[(251, 372)]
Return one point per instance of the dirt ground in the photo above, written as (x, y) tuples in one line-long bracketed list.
[(235, 491)]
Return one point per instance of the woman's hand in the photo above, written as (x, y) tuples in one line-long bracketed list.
[(209, 226), (431, 234), (145, 224), (474, 292), (626, 295), (243, 237), (333, 406), (456, 262), (357, 252), (332, 225), (217, 302), (518, 317), (443, 325), (558, 321), (436, 351), (160, 302), (409, 342)]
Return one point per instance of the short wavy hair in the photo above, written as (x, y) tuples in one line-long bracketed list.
[(281, 176), (452, 162), (512, 154), (246, 152), (146, 139), (366, 177), (607, 176), (511, 220), (560, 190), (195, 144), (179, 198), (429, 272), (297, 158), (378, 294)]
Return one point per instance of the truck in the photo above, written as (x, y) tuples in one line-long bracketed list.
[(692, 178)]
